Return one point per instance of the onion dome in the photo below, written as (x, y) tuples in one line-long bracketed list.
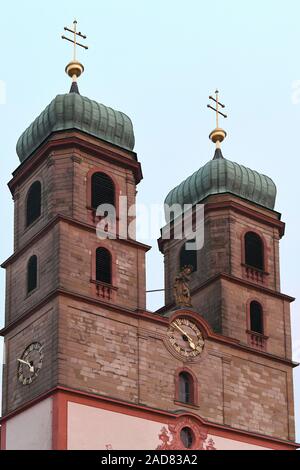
[(220, 176), (73, 111)]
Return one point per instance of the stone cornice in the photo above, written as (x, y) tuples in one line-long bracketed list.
[(236, 280), (148, 412), (69, 220), (77, 139), (248, 211), (146, 316)]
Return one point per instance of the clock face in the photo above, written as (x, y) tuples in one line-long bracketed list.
[(30, 363), (186, 338)]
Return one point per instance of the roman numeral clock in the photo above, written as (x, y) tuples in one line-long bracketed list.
[(30, 363), (185, 338)]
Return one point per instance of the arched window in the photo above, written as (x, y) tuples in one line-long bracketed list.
[(188, 257), (34, 203), (256, 318), (103, 190), (32, 273), (186, 388), (254, 251), (103, 266)]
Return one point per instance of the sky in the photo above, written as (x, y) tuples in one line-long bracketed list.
[(158, 61)]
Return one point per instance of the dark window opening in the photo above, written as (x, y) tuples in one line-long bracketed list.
[(185, 388), (32, 274), (34, 203), (256, 318), (188, 257), (254, 251), (103, 266), (103, 190), (187, 437)]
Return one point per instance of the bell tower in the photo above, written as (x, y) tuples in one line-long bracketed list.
[(235, 282), (63, 282), (235, 279)]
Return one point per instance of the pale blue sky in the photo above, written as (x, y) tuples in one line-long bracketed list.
[(158, 61)]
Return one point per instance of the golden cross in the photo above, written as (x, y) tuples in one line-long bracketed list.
[(74, 41), (216, 109)]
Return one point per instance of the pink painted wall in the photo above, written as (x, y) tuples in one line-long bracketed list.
[(94, 428), (228, 444), (31, 429)]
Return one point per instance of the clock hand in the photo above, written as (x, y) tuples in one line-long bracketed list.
[(31, 368), (24, 362), (190, 340), (182, 331)]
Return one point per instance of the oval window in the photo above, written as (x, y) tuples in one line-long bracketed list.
[(187, 437)]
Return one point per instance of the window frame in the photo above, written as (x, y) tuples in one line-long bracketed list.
[(33, 222), (263, 267), (90, 187), (252, 301), (31, 291), (193, 403), (92, 217), (257, 340), (103, 248), (191, 433), (181, 250)]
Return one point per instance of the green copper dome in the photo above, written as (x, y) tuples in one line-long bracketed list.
[(220, 176), (73, 111)]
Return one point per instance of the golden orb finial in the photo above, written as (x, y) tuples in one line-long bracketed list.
[(74, 69), (217, 135)]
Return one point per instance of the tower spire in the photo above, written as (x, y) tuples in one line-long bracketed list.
[(217, 135), (74, 68)]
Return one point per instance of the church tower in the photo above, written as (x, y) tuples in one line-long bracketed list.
[(235, 283), (87, 366), (63, 282)]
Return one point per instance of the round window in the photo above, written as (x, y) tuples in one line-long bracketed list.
[(187, 437)]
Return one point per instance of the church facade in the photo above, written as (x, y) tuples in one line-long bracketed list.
[(87, 365)]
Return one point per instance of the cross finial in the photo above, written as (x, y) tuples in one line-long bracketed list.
[(218, 134), (74, 69)]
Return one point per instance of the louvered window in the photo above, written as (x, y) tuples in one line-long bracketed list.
[(103, 266), (254, 251), (256, 318), (103, 190), (188, 257), (32, 273), (34, 202)]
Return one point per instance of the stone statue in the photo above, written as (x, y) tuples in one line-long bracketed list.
[(181, 287)]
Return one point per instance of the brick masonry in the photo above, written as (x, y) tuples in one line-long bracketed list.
[(112, 348), (41, 327), (223, 303)]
